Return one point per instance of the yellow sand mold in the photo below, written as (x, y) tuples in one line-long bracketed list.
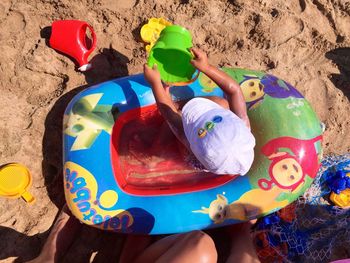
[(15, 179), (150, 32)]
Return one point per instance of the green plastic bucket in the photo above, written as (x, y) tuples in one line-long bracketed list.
[(172, 55)]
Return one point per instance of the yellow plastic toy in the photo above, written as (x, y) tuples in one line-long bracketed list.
[(342, 199), (150, 32), (15, 179)]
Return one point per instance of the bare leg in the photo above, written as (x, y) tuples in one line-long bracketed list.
[(242, 244), (134, 246), (195, 246), (60, 238)]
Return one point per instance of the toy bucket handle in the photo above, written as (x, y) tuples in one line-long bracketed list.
[(93, 35)]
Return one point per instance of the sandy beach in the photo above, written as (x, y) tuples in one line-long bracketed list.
[(305, 42)]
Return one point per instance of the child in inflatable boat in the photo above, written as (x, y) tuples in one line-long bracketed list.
[(215, 130)]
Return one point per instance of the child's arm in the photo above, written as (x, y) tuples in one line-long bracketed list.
[(165, 104), (225, 82)]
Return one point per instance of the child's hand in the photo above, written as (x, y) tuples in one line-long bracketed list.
[(152, 75), (200, 60)]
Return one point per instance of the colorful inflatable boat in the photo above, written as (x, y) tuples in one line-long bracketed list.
[(124, 170)]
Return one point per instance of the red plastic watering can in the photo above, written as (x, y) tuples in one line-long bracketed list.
[(69, 37)]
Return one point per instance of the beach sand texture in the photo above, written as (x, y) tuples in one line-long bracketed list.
[(305, 42)]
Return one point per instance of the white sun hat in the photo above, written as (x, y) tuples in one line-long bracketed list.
[(218, 138)]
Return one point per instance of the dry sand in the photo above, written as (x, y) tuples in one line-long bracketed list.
[(302, 41)]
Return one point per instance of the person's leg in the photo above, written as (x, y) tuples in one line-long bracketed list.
[(134, 246), (60, 238), (242, 244), (195, 246)]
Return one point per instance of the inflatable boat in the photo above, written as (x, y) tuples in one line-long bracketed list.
[(125, 171)]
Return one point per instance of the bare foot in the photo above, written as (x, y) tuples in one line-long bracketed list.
[(60, 238)]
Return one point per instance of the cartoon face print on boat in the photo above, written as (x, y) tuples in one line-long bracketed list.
[(291, 160), (254, 89)]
